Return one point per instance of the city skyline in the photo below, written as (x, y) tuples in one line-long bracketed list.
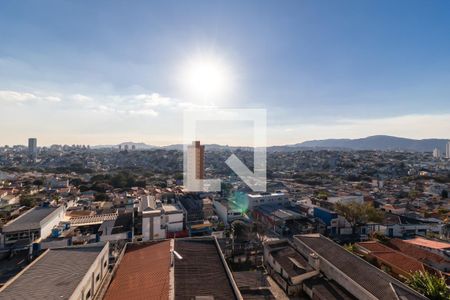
[(322, 70)]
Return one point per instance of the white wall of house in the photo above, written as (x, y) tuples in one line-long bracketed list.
[(221, 210), (226, 214), (91, 281), (174, 222), (151, 226), (51, 221), (255, 200)]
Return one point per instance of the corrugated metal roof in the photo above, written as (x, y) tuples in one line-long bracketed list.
[(30, 220), (55, 275), (200, 272), (367, 276)]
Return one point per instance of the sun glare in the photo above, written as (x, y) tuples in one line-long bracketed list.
[(206, 78)]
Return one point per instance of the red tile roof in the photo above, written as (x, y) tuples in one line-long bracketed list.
[(403, 262), (143, 273), (416, 252), (392, 257), (429, 243)]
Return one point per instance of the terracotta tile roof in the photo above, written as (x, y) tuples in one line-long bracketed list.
[(416, 252), (428, 243), (392, 257), (143, 273), (403, 262)]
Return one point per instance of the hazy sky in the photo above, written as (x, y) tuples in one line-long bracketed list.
[(104, 72)]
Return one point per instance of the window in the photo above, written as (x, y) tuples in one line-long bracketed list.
[(97, 278), (88, 295), (104, 264)]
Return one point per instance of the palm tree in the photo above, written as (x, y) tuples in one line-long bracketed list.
[(430, 285)]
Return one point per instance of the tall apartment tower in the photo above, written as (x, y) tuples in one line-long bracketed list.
[(32, 148), (197, 151), (436, 153), (447, 150)]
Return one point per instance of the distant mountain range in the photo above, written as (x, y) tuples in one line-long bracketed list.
[(138, 146), (376, 142)]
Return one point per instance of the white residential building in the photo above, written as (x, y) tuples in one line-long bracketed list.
[(436, 153), (34, 224), (255, 200), (151, 225), (226, 210), (447, 150), (61, 273), (158, 221)]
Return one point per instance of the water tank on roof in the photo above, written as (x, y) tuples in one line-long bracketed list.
[(56, 232)]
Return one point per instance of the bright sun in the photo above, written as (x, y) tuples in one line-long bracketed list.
[(206, 78)]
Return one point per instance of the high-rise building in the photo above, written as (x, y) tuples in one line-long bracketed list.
[(436, 153), (32, 148), (197, 152), (447, 150)]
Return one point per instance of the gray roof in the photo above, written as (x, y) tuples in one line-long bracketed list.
[(55, 275), (372, 279), (200, 272), (30, 220), (327, 289), (291, 261)]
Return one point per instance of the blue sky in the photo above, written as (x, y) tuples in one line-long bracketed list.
[(101, 72)]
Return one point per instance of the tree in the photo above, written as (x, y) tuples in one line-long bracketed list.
[(101, 197), (358, 214), (27, 201), (430, 285), (38, 182)]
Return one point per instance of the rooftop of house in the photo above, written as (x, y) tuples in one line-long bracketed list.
[(29, 220), (279, 213), (143, 273), (327, 289), (123, 223), (250, 279), (291, 261), (262, 195), (370, 278), (438, 245), (53, 275), (201, 270), (392, 257), (416, 252), (172, 208)]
